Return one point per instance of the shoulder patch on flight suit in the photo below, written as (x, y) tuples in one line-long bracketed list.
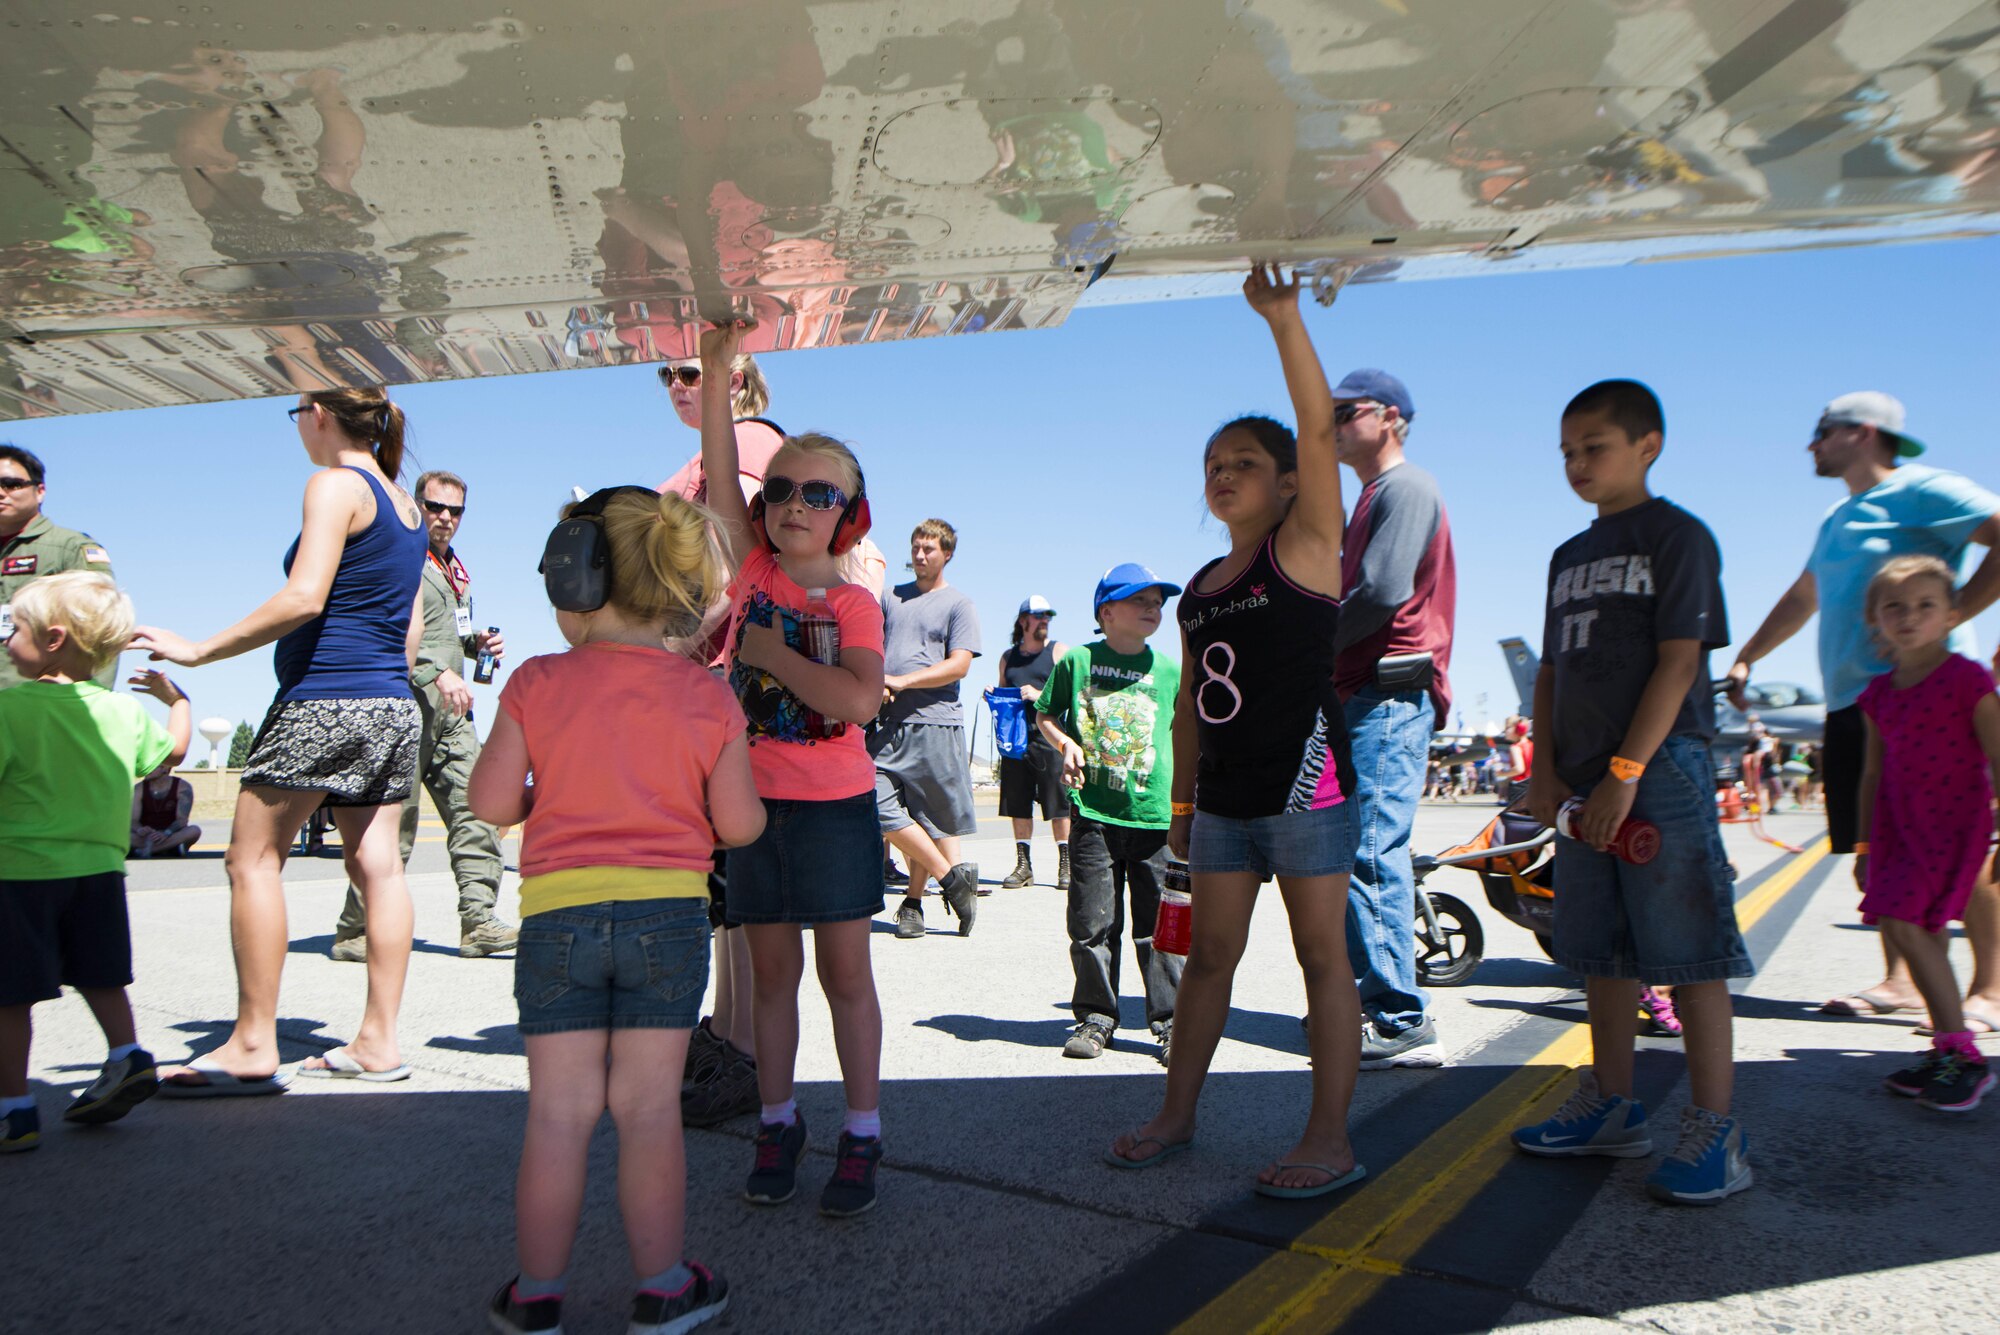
[(18, 565), (95, 554)]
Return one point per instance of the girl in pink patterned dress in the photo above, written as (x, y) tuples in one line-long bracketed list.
[(1927, 808)]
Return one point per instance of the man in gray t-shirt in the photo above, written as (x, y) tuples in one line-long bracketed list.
[(923, 776)]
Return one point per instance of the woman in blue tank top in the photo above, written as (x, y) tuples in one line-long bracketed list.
[(1261, 768), (343, 730)]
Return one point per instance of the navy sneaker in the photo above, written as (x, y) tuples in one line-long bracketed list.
[(1910, 1081), (21, 1131), (1590, 1123), (510, 1316), (702, 1298), (851, 1189), (1957, 1084), (1708, 1166), (775, 1179), (119, 1088)]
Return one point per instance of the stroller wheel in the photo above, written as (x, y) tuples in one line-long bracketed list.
[(1448, 953)]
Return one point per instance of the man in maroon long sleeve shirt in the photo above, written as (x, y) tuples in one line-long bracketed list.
[(1399, 586)]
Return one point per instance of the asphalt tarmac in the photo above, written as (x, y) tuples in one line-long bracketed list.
[(389, 1208)]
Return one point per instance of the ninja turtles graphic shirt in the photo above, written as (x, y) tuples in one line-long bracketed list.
[(1120, 709)]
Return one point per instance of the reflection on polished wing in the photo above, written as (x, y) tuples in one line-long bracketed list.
[(237, 199)]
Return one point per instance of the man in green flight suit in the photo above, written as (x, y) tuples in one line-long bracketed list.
[(450, 742), (31, 547)]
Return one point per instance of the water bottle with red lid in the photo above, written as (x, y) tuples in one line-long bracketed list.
[(819, 640), (1637, 841)]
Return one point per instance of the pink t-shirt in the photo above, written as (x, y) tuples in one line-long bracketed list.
[(1933, 813), (621, 740), (786, 766)]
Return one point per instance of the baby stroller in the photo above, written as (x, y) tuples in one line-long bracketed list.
[(1514, 862)]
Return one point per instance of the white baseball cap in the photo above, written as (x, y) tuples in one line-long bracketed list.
[(1870, 407), (1034, 605)]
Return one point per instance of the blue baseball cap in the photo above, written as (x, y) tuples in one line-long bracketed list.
[(1377, 387), (1122, 581)]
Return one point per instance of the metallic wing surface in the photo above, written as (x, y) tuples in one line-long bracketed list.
[(233, 199)]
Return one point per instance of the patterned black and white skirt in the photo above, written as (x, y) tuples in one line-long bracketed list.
[(361, 753)]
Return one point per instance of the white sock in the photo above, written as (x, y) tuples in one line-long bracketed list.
[(121, 1052), (1062, 845), (780, 1114), (859, 1123)]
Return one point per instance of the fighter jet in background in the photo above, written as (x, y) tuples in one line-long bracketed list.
[(1789, 712)]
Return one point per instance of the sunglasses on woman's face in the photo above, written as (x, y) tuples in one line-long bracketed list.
[(816, 495), (689, 376)]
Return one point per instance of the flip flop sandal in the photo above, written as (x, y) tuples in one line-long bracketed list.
[(217, 1083), (1168, 1148), (1979, 1022), (341, 1065), (1335, 1181), (1868, 1006)]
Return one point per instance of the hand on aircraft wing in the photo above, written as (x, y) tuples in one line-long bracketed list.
[(721, 343), (1269, 293)]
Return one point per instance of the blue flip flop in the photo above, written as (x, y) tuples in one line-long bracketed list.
[(1168, 1148), (1335, 1181)]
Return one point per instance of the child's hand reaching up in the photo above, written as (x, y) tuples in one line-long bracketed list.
[(722, 343), (151, 681), (1270, 294)]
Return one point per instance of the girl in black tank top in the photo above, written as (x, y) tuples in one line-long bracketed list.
[(1270, 772)]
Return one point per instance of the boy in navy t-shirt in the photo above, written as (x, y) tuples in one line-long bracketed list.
[(1627, 711)]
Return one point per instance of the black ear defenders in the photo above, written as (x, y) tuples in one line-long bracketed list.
[(853, 526), (576, 560)]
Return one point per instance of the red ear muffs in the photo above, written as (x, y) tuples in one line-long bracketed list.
[(852, 527), (855, 521)]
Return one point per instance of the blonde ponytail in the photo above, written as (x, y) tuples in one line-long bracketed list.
[(665, 565)]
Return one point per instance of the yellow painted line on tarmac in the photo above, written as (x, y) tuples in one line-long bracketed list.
[(1329, 1271)]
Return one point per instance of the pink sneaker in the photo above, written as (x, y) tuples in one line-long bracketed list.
[(1658, 1009)]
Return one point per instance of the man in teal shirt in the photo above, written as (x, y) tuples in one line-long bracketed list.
[(1108, 709), (1892, 508)]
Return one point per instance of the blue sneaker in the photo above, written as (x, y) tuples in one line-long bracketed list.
[(1708, 1165), (22, 1130), (1590, 1123)]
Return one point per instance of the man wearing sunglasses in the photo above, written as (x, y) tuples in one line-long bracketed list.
[(31, 547), (1392, 652), (1893, 508), (450, 742)]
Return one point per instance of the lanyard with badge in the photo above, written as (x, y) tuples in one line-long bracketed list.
[(458, 579)]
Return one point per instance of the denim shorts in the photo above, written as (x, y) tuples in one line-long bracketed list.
[(624, 964), (1671, 920), (1295, 843), (815, 862)]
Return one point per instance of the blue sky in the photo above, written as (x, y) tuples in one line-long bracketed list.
[(1058, 454)]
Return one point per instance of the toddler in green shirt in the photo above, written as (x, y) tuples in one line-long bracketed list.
[(70, 751)]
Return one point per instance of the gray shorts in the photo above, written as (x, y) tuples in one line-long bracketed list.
[(922, 777)]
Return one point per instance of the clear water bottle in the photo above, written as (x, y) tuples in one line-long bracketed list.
[(1637, 841), (819, 640), (1173, 928), (482, 670)]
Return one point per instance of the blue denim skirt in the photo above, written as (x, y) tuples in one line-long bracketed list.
[(815, 862)]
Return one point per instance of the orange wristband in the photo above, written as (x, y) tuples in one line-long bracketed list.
[(1626, 771), (1860, 847), (1183, 808)]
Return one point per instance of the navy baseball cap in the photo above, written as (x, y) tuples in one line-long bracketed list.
[(1377, 387), (1122, 581)]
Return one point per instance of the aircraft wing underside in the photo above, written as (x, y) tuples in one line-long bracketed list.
[(235, 199)]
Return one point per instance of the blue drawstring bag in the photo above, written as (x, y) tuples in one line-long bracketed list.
[(1010, 721)]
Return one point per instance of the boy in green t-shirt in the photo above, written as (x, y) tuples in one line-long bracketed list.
[(70, 752), (1108, 708)]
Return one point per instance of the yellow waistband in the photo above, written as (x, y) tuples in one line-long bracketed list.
[(574, 887)]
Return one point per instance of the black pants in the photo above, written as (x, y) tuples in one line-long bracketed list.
[(1841, 763), (1106, 862)]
